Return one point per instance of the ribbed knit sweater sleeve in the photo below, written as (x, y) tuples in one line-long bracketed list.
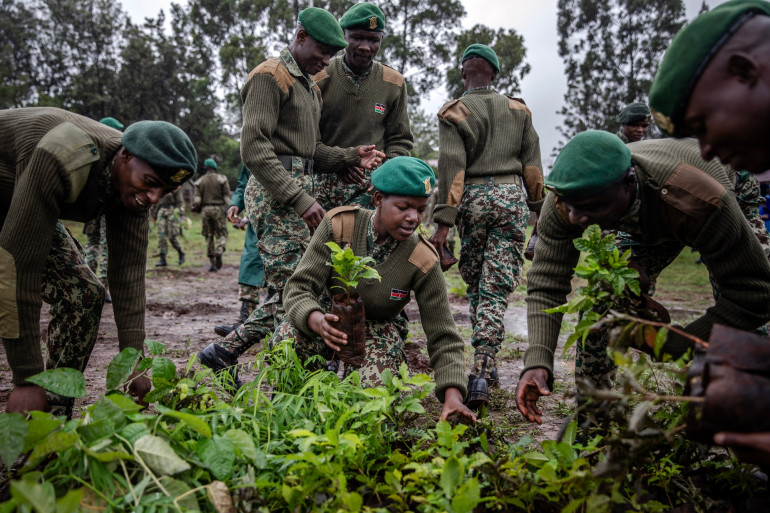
[(530, 158), (263, 98), (457, 135), (399, 140), (328, 159)]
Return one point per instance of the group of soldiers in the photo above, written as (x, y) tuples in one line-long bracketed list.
[(321, 133)]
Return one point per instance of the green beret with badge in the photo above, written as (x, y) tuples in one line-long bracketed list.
[(210, 163), (634, 113), (404, 176), (112, 123), (165, 147), (363, 16), (483, 51), (690, 52), (589, 163), (322, 26)]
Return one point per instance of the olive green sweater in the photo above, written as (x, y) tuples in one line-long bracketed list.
[(55, 165), (372, 113), (281, 110), (684, 200), (212, 189), (484, 133), (402, 271)]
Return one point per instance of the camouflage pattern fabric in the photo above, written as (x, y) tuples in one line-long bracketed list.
[(384, 349), (248, 293), (76, 298), (330, 192), (168, 229), (214, 229), (96, 247), (492, 223)]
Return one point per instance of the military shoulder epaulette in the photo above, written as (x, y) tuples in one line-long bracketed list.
[(454, 111), (518, 104), (424, 256), (75, 151), (391, 75), (273, 66)]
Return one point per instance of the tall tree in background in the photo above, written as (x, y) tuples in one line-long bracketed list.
[(18, 48), (510, 50), (611, 50)]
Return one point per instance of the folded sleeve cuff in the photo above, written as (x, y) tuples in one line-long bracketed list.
[(23, 360)]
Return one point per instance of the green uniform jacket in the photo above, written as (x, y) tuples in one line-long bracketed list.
[(212, 189), (372, 113), (55, 165), (413, 266), (171, 200), (684, 200), (485, 133), (281, 110)]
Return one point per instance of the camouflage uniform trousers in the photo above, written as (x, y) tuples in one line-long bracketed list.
[(283, 237), (214, 229), (492, 224), (384, 349), (331, 192), (168, 229), (250, 294), (96, 247)]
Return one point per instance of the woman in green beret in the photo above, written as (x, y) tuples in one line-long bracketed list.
[(406, 262)]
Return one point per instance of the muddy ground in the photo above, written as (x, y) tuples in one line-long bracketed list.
[(184, 305)]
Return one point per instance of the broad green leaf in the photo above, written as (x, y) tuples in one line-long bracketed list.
[(38, 427), (218, 455), (467, 497), (175, 488), (55, 442), (13, 431), (121, 367), (70, 503), (30, 491), (95, 431), (243, 443), (451, 475), (144, 364), (125, 403), (195, 422), (570, 433), (64, 381), (159, 456), (300, 433), (105, 409), (163, 368), (156, 348), (353, 501), (536, 458), (573, 505)]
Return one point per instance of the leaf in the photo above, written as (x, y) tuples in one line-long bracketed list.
[(70, 503), (163, 368), (156, 348), (451, 475), (121, 367), (126, 404), (39, 426), (175, 488), (13, 431), (95, 431), (63, 381), (570, 433), (195, 422), (55, 442), (242, 443), (134, 432), (159, 456), (467, 497), (105, 409), (218, 455), (219, 496), (30, 491)]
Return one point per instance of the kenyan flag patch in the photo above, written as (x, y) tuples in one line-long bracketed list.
[(379, 108), (398, 295)]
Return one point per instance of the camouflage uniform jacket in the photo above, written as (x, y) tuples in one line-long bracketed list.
[(372, 113), (172, 200), (281, 109), (412, 266), (485, 133), (56, 165), (682, 199), (211, 189)]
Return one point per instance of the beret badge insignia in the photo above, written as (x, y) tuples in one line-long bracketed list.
[(180, 175), (373, 22), (426, 183), (663, 121)]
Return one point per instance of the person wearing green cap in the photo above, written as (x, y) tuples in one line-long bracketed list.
[(406, 263), (666, 197), (59, 165), (489, 179), (281, 146), (364, 101), (212, 197), (634, 122)]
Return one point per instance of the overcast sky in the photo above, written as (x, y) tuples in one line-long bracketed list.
[(543, 89)]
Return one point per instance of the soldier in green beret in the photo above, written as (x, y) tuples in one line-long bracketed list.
[(59, 165), (280, 145), (665, 197), (212, 197), (364, 101), (406, 262), (634, 122), (489, 179)]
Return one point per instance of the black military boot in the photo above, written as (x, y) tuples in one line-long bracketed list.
[(245, 310), (213, 265), (60, 405), (218, 260), (161, 262), (181, 256), (225, 329), (223, 362), (482, 378)]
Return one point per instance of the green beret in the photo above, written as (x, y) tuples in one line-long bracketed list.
[(590, 162), (112, 123), (165, 147), (210, 163), (483, 51), (363, 16), (323, 27), (634, 113), (404, 176), (688, 55)]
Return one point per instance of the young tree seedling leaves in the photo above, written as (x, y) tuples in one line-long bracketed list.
[(121, 367), (195, 422), (163, 368), (217, 455), (29, 491), (63, 381), (451, 475), (159, 456), (13, 431), (156, 348)]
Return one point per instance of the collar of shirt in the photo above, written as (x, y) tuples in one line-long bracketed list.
[(482, 88), (379, 252), (356, 78), (293, 68)]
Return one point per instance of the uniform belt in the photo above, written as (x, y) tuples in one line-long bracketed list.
[(495, 179), (307, 164)]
